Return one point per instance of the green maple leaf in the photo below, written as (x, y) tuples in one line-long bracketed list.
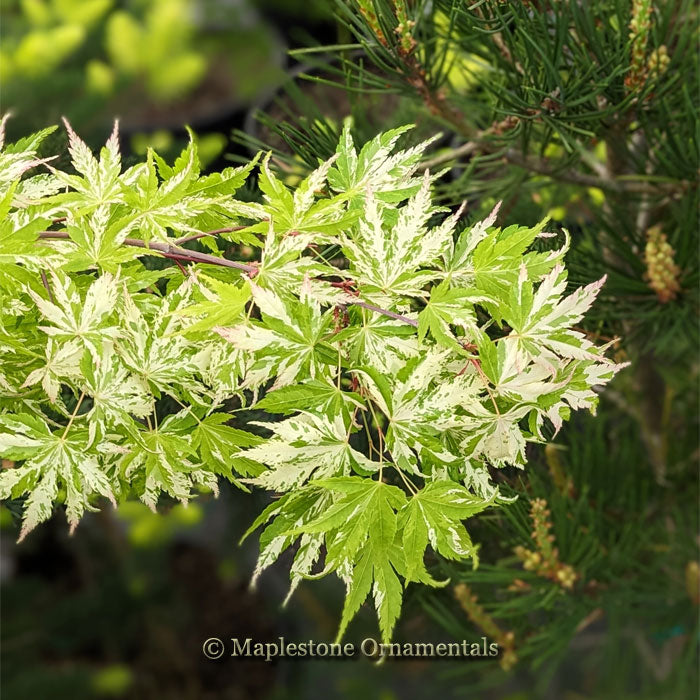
[(97, 182), (223, 306), (289, 512), (117, 396), (62, 364), (490, 259), (500, 261), (434, 515), (374, 570), (282, 268), (417, 408), (156, 207), (374, 340), (495, 437), (220, 446), (19, 157), (97, 244), (18, 240), (316, 395), (542, 320), (363, 526), (365, 505), (301, 212), (448, 307), (152, 347), (377, 167), (387, 251), (182, 201), (290, 341), (219, 188), (160, 461)]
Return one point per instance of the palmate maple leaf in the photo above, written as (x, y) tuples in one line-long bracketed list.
[(289, 343), (374, 340), (541, 321), (418, 408), (301, 212), (389, 249), (303, 446), (97, 181), (62, 364), (84, 318), (378, 167), (50, 462), (17, 158)]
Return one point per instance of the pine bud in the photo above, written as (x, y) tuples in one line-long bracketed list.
[(639, 26), (566, 576), (662, 273), (658, 61)]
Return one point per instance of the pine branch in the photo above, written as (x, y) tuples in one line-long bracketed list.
[(413, 69), (626, 185)]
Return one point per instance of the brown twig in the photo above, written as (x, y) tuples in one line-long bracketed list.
[(385, 312), (183, 269), (466, 149), (45, 281), (168, 251), (614, 184)]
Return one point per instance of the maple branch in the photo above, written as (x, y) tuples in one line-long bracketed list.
[(182, 268), (172, 252), (47, 286), (167, 251), (73, 415), (386, 312)]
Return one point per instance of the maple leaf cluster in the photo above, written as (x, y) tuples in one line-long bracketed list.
[(433, 353)]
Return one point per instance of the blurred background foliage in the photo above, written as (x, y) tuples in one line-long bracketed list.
[(157, 64), (583, 112)]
